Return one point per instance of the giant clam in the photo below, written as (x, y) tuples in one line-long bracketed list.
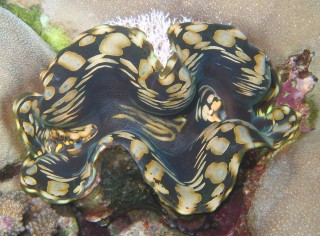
[(186, 125)]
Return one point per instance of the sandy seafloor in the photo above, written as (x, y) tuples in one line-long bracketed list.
[(288, 201)]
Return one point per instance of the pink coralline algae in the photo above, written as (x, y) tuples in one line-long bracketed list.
[(44, 218), (297, 82)]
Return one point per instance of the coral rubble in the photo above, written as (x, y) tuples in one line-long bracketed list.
[(43, 219)]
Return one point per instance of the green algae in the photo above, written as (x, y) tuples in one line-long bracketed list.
[(55, 36), (30, 16), (314, 111)]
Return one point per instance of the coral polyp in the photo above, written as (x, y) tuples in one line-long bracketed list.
[(187, 125)]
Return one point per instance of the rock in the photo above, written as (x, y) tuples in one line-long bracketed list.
[(288, 200), (10, 185), (13, 206), (23, 55), (32, 216), (120, 189), (141, 223), (278, 27), (25, 3)]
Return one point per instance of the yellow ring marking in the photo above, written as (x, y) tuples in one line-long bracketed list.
[(138, 149), (25, 107), (224, 38), (260, 66), (218, 145), (167, 80), (70, 95), (29, 180), (188, 199), (214, 203), (191, 38), (197, 27), (138, 38), (216, 172), (28, 128), (174, 88), (47, 80), (201, 45), (147, 93), (243, 56), (71, 61), (237, 33), (129, 65), (154, 171), (56, 188), (227, 127), (243, 137), (218, 190), (184, 54), (28, 162), (286, 110), (78, 37), (176, 29), (67, 85), (87, 40), (102, 30), (277, 114), (191, 58), (87, 172), (234, 165), (114, 43), (78, 189), (185, 76), (145, 69), (125, 135), (49, 92), (32, 170), (158, 187)]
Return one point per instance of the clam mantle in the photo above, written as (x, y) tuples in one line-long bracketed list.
[(186, 125)]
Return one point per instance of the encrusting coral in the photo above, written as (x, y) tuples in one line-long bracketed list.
[(44, 218), (18, 215), (13, 206), (44, 224)]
